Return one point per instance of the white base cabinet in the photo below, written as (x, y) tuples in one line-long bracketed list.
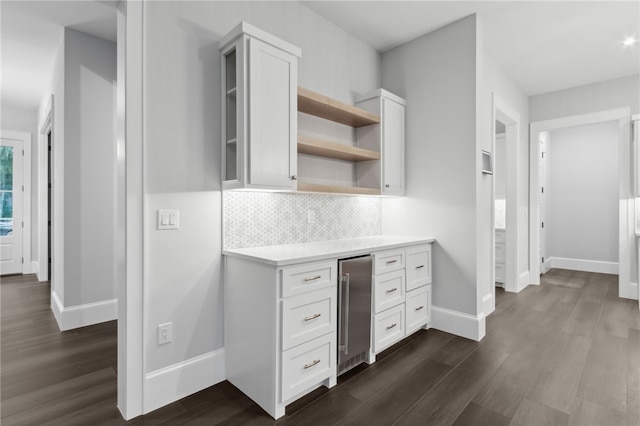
[(281, 321)]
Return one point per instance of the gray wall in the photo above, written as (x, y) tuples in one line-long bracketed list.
[(24, 120), (610, 94), (89, 169), (581, 188), (436, 73), (182, 143)]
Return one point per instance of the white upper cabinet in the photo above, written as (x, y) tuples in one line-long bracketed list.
[(259, 123), (388, 138), (636, 138)]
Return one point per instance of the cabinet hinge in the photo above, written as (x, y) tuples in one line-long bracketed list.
[(543, 224), (23, 224), (342, 278), (543, 189), (543, 155), (23, 260), (543, 260)]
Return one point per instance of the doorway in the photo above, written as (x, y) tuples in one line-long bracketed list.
[(11, 214), (46, 195), (624, 235)]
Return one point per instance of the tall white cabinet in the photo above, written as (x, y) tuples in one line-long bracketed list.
[(259, 125)]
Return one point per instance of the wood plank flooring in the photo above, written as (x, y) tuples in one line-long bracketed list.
[(566, 352)]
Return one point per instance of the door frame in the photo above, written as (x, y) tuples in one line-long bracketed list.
[(25, 139), (508, 115), (626, 247), (43, 199)]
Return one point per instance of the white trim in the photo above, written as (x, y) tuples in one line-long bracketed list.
[(632, 293), (35, 267), (458, 323), (626, 247), (87, 314), (487, 304), (169, 384), (635, 117), (57, 308), (583, 265), (523, 281), (43, 191)]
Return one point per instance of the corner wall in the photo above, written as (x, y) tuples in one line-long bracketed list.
[(437, 75)]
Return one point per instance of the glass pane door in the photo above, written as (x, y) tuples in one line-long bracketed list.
[(6, 190)]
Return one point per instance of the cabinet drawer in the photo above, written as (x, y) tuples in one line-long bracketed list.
[(389, 260), (500, 254), (308, 277), (500, 236), (499, 272), (388, 327), (308, 316), (388, 290), (418, 308), (307, 365), (418, 266)]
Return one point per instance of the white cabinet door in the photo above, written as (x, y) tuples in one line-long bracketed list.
[(393, 147), (418, 266), (272, 116), (418, 308), (388, 327)]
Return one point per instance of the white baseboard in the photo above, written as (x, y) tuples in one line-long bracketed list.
[(523, 281), (583, 265), (35, 267), (487, 304), (631, 292), (83, 315), (458, 323), (172, 383)]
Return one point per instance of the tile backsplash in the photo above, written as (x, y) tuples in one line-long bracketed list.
[(256, 219)]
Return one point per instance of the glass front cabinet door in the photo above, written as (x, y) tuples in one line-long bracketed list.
[(259, 111)]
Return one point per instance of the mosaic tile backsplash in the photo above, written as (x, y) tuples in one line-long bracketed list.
[(256, 219)]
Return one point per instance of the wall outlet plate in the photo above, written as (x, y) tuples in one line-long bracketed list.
[(165, 333)]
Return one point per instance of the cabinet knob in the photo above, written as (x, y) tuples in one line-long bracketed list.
[(294, 177)]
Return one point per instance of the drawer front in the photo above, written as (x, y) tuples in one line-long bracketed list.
[(500, 254), (500, 236), (418, 308), (418, 266), (500, 272), (308, 277), (390, 260), (388, 290), (307, 365), (308, 316), (388, 327)]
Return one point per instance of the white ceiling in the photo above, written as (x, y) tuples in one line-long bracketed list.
[(31, 35), (543, 46)]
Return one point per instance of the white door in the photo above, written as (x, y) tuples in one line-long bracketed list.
[(11, 206), (393, 162), (541, 205)]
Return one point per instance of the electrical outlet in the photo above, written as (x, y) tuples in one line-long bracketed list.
[(165, 333), (311, 216)]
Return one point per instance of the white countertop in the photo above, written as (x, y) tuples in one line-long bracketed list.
[(288, 254)]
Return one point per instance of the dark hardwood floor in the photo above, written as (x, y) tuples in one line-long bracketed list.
[(566, 352)]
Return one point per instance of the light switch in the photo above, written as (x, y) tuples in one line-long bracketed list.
[(168, 219)]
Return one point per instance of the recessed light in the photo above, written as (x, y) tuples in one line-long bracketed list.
[(629, 41)]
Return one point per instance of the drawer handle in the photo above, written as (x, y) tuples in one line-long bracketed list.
[(419, 307), (389, 327), (421, 266), (307, 366), (389, 262), (312, 317), (392, 290), (317, 277)]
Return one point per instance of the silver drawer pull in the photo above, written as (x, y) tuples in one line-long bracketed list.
[(389, 327), (317, 277), (312, 317), (419, 307), (392, 290), (389, 262), (421, 266), (307, 366)]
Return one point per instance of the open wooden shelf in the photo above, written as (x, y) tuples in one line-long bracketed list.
[(338, 151), (331, 109), (336, 189)]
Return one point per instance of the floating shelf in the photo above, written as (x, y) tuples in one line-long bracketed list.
[(331, 109), (336, 189), (338, 151)]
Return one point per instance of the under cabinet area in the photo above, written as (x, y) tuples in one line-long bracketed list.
[(282, 311), (259, 128)]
